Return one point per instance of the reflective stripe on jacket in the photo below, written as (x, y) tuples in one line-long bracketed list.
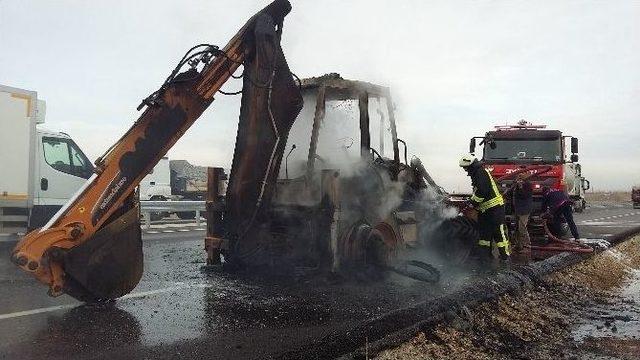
[(485, 191)]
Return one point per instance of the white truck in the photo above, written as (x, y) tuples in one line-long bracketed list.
[(174, 180), (39, 169), (157, 184)]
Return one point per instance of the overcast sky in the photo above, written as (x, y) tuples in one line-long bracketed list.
[(456, 68)]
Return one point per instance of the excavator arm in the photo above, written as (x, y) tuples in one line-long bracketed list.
[(91, 249)]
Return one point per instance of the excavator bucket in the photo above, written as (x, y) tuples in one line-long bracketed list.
[(109, 264)]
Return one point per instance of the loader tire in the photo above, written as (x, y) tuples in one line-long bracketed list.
[(456, 238)]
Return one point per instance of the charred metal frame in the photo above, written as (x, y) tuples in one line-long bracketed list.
[(215, 207), (333, 87), (323, 228)]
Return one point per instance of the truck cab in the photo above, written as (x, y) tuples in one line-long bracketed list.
[(41, 169), (61, 169), (548, 156)]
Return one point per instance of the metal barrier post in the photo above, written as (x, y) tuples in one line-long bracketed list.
[(147, 220)]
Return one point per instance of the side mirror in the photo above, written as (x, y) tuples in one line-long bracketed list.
[(586, 185), (574, 158), (44, 184), (472, 146), (574, 145), (492, 144)]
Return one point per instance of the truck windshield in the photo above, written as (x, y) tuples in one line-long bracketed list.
[(64, 155), (543, 150)]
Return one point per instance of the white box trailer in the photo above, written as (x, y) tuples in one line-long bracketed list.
[(39, 169)]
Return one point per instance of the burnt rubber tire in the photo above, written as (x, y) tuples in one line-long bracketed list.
[(157, 216), (455, 239), (417, 270)]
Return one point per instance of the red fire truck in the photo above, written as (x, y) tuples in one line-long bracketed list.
[(541, 153)]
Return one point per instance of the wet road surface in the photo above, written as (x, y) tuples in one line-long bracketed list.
[(179, 311)]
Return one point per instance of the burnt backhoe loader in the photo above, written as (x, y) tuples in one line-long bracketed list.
[(345, 201), (91, 249)]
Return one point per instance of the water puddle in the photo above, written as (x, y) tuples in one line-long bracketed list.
[(614, 323)]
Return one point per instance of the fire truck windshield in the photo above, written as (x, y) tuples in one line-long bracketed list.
[(525, 150)]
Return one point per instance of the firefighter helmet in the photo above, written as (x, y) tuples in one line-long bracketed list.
[(467, 160)]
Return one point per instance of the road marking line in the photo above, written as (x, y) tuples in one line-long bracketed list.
[(600, 223), (168, 231), (36, 311), (199, 229), (153, 232), (620, 225), (183, 230), (592, 220), (179, 286)]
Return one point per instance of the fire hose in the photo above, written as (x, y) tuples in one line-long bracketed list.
[(557, 244)]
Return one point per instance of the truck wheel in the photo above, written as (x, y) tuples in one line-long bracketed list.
[(155, 216), (185, 215), (455, 239)]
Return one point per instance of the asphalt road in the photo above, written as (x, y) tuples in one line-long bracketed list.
[(601, 220), (179, 311)]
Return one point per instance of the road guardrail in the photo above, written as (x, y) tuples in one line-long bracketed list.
[(150, 206)]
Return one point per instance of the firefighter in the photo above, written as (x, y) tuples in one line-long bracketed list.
[(556, 205), (488, 201)]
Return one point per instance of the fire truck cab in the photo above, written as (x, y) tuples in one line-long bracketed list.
[(548, 157)]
